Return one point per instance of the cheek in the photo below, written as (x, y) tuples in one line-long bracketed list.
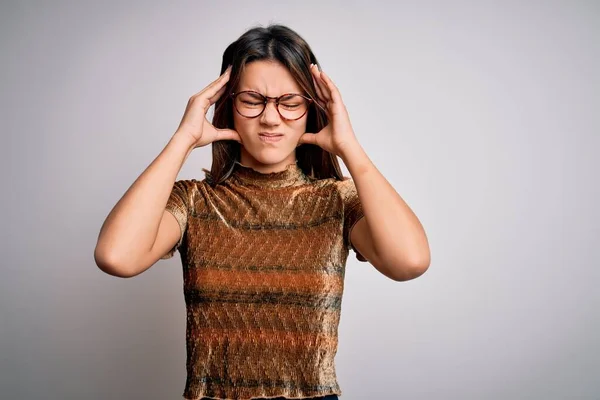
[(298, 127), (243, 126)]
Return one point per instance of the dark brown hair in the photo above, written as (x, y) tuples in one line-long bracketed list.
[(273, 43)]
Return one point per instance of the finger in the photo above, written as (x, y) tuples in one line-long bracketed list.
[(216, 85), (308, 138), (320, 101), (320, 96), (324, 88), (321, 105), (228, 134), (319, 85), (213, 83), (217, 95), (333, 90), (313, 67)]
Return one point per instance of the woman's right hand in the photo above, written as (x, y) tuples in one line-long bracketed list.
[(194, 124)]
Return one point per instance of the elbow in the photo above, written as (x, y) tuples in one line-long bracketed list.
[(408, 270), (111, 266), (401, 265), (421, 265)]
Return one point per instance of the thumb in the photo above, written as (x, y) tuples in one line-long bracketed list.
[(228, 134), (308, 138)]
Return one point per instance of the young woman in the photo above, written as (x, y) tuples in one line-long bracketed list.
[(265, 236)]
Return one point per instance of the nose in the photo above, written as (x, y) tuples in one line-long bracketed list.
[(270, 115)]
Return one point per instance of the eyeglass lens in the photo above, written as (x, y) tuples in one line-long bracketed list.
[(251, 104)]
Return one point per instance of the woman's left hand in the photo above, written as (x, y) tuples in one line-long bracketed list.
[(338, 134)]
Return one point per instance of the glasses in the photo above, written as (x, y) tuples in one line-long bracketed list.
[(290, 106)]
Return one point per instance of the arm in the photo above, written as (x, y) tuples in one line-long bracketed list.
[(390, 235), (138, 229)]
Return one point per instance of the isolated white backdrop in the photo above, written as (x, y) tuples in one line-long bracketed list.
[(483, 116)]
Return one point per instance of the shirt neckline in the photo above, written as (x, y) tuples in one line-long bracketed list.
[(292, 175)]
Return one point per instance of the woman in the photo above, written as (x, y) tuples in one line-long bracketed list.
[(265, 236)]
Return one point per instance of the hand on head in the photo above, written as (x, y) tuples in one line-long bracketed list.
[(194, 123)]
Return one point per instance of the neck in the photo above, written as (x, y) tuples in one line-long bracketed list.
[(291, 176), (248, 161)]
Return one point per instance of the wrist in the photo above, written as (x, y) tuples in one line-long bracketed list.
[(351, 150), (182, 142), (356, 160), (182, 138)]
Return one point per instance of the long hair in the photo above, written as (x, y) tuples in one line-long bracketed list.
[(273, 43)]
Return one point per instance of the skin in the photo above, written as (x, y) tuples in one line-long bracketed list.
[(269, 78), (390, 236), (138, 231)]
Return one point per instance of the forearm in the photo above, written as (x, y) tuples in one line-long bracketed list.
[(130, 229), (399, 239)]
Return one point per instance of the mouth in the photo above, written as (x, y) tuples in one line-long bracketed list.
[(270, 137)]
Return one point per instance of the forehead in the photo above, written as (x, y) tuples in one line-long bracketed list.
[(270, 78)]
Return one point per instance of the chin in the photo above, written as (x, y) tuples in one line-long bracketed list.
[(270, 156)]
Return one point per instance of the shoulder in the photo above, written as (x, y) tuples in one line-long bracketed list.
[(191, 184), (345, 187), (187, 187), (342, 189), (337, 183), (191, 190)]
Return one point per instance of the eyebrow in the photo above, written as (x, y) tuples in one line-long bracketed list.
[(258, 91)]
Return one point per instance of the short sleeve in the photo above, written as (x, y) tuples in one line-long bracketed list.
[(178, 205), (353, 212)]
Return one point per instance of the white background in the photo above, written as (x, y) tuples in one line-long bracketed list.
[(483, 116)]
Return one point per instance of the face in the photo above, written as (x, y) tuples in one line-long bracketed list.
[(268, 78)]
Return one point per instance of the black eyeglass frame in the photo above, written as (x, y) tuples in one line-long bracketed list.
[(233, 95)]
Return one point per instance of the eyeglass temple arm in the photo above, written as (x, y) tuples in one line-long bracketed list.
[(318, 105)]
